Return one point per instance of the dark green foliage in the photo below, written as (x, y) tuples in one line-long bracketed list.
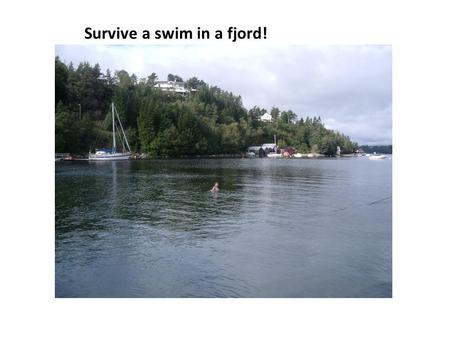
[(61, 75), (287, 116), (194, 83), (206, 121), (175, 78), (72, 134)]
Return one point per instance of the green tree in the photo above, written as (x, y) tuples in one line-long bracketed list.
[(275, 113), (209, 120), (61, 76), (172, 77), (288, 116)]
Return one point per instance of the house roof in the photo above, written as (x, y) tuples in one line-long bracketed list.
[(266, 116)]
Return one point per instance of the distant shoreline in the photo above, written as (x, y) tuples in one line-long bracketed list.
[(222, 156)]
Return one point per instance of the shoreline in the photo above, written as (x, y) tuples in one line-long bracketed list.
[(212, 157)]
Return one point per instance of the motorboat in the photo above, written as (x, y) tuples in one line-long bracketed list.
[(376, 156)]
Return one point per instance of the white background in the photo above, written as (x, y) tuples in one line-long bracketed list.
[(418, 32)]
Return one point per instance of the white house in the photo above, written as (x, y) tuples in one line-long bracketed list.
[(266, 117), (172, 86)]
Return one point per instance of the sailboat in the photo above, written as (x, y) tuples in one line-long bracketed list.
[(112, 154)]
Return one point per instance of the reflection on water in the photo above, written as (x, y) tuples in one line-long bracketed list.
[(298, 228)]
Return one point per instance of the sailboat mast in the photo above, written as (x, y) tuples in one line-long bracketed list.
[(124, 135), (114, 130)]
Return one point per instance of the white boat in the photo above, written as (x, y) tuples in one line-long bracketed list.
[(112, 154), (273, 146), (101, 155), (376, 156)]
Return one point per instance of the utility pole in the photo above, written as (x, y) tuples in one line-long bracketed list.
[(79, 106)]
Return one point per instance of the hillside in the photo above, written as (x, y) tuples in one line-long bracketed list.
[(201, 120)]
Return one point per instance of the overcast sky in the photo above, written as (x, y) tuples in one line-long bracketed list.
[(350, 87)]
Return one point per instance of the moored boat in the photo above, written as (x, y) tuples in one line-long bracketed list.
[(108, 155), (273, 151), (376, 156), (274, 155), (112, 154)]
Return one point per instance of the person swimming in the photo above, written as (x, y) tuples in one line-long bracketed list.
[(215, 188)]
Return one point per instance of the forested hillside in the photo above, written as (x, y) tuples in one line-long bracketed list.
[(206, 121)]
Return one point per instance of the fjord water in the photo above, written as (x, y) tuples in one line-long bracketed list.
[(277, 228)]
